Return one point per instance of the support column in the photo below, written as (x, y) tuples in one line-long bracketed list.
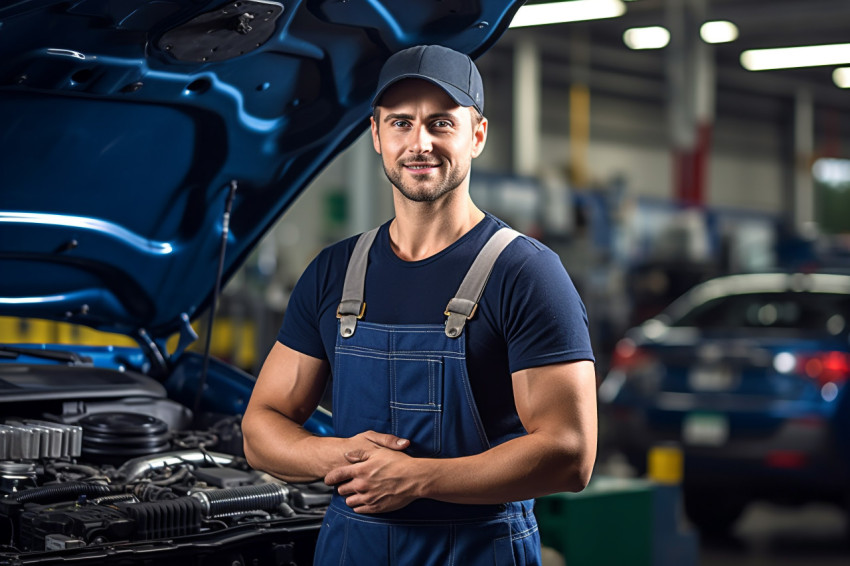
[(579, 109), (526, 112), (804, 148), (363, 193), (691, 84)]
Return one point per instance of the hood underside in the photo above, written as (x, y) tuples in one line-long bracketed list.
[(128, 127)]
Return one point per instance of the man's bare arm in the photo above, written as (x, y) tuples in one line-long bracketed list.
[(557, 406), (288, 390)]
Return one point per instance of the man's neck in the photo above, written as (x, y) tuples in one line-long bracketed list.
[(421, 229)]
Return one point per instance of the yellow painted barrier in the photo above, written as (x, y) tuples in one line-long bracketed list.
[(665, 464), (232, 340)]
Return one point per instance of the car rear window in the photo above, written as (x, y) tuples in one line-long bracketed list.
[(824, 312)]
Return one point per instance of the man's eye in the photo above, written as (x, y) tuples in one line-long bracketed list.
[(442, 124), (400, 123)]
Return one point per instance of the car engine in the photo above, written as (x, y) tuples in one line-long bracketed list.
[(106, 481)]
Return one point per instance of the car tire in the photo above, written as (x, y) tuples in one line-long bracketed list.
[(712, 512)]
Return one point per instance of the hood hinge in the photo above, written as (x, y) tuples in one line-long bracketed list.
[(159, 366), (187, 335)]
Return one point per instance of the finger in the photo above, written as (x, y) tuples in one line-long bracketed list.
[(388, 440), (338, 476), (355, 456), (359, 504)]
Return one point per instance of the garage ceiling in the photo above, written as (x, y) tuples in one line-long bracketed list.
[(614, 68)]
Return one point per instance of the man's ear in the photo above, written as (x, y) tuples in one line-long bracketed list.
[(376, 138), (479, 137)]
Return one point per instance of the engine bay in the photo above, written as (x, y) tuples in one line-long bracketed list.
[(104, 480)]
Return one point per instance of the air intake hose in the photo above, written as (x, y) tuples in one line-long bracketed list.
[(61, 492), (236, 500)]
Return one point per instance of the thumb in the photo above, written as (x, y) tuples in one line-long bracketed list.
[(354, 456), (390, 441)]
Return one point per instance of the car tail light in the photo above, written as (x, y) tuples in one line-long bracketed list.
[(825, 367), (628, 356), (786, 459)]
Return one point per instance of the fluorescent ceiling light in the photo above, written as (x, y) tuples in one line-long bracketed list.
[(571, 11), (832, 171), (718, 32), (792, 57), (841, 77), (653, 37)]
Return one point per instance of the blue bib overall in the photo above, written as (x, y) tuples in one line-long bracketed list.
[(411, 381)]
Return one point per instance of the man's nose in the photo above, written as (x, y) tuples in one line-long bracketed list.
[(421, 141)]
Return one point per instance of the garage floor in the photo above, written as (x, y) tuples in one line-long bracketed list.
[(768, 535)]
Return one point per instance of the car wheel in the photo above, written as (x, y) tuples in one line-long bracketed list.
[(713, 512)]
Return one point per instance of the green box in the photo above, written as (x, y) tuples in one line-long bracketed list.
[(607, 524)]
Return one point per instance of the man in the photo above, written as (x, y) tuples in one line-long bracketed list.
[(449, 419)]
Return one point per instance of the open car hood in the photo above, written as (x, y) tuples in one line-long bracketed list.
[(129, 127)]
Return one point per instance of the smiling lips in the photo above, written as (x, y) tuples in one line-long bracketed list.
[(420, 166)]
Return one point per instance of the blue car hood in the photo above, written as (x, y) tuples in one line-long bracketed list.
[(126, 126)]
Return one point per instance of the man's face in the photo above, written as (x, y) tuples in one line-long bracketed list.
[(426, 141)]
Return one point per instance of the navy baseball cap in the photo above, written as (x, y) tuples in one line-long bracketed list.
[(450, 70)]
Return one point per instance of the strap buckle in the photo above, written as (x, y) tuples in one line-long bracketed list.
[(469, 317), (358, 317)]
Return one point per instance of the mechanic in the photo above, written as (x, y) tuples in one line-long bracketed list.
[(449, 420)]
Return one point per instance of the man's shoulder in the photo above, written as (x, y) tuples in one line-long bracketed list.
[(522, 248), (339, 250)]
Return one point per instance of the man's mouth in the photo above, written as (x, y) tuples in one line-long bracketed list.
[(421, 166)]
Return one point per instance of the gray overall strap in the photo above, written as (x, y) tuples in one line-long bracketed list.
[(352, 306), (462, 307)]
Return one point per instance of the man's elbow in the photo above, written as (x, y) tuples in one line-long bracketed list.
[(577, 468), (252, 457), (579, 478)]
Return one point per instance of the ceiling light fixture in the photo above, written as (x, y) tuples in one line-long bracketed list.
[(841, 77), (653, 37), (719, 31), (795, 57), (563, 12)]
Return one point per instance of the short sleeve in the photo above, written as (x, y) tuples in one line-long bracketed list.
[(300, 329), (545, 320)]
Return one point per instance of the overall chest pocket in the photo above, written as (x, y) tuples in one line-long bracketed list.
[(400, 393), (416, 402)]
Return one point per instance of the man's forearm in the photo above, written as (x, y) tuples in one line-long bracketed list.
[(523, 468), (286, 450)]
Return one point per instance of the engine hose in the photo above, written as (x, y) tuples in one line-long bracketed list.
[(150, 492), (61, 492), (115, 498), (134, 469), (176, 477), (164, 519), (236, 500), (90, 471)]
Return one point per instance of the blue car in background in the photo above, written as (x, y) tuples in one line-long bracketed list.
[(748, 375), (146, 147)]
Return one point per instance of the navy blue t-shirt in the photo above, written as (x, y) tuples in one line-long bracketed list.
[(529, 315)]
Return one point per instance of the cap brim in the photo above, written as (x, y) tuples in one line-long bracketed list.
[(456, 94)]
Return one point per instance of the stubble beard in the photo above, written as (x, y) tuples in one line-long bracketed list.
[(418, 192)]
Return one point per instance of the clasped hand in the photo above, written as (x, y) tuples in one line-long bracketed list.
[(376, 477)]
